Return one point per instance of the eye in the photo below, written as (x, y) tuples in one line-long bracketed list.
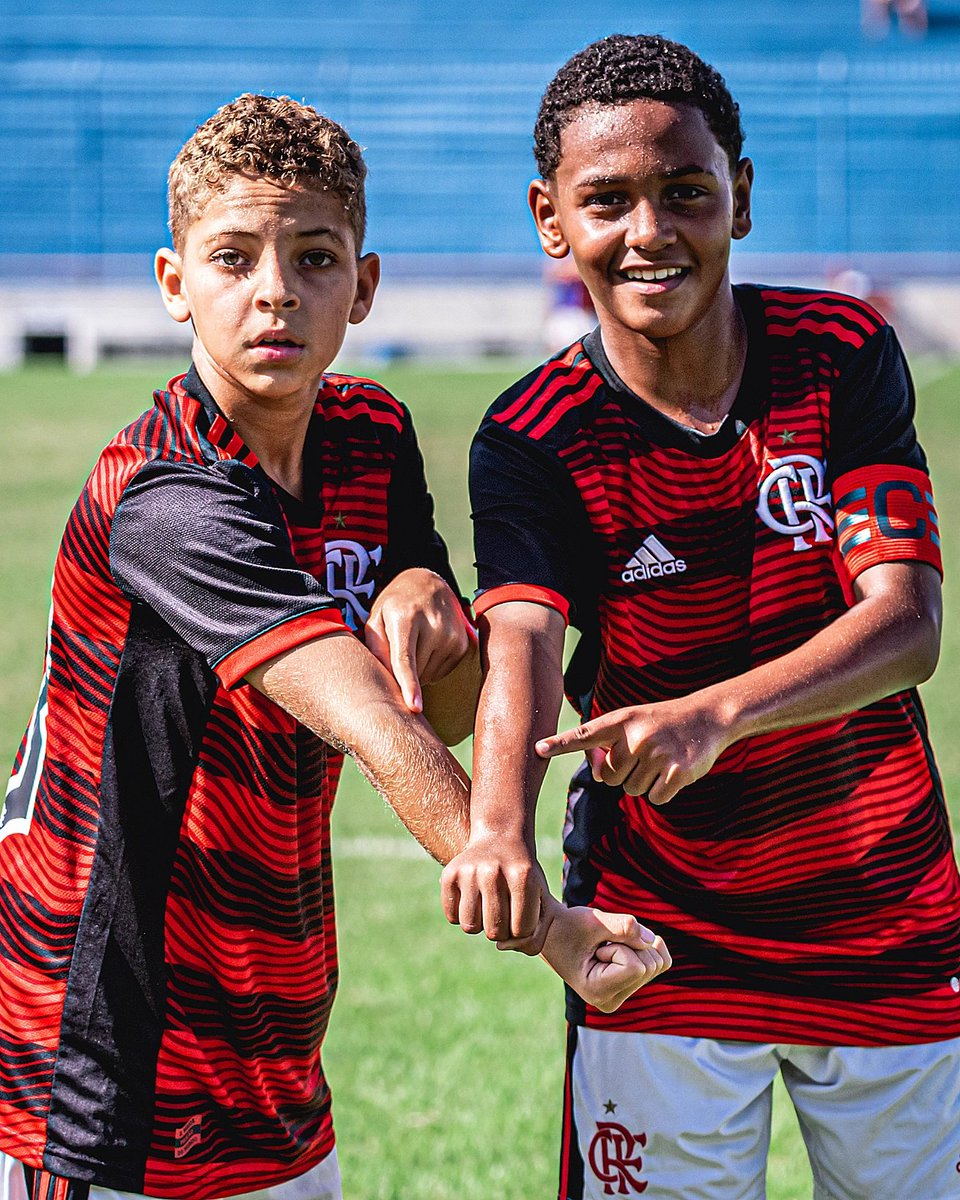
[(685, 193), (317, 258), (605, 200), (227, 257)]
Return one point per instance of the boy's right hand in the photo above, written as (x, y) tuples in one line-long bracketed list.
[(497, 887), (605, 957)]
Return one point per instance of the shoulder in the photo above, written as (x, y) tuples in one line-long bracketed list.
[(549, 402), (361, 402), (118, 462), (169, 430), (807, 317), (178, 512), (159, 487)]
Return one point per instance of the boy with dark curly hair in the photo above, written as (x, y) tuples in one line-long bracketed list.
[(249, 585), (721, 488)]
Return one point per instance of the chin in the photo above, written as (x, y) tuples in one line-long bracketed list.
[(652, 324)]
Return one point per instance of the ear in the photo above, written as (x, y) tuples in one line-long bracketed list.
[(168, 269), (547, 219), (368, 276), (742, 187)]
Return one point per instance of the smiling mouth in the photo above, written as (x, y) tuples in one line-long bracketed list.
[(651, 274)]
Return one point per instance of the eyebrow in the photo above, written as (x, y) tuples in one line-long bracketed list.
[(614, 180), (323, 231), (320, 231)]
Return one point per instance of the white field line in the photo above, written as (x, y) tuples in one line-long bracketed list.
[(404, 847)]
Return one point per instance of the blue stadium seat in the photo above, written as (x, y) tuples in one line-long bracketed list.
[(856, 141)]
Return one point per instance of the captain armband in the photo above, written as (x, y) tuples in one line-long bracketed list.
[(885, 514)]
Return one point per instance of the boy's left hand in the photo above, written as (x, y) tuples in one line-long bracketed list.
[(418, 631), (605, 957)]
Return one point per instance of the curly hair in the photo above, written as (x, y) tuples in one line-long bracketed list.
[(624, 67), (272, 137)]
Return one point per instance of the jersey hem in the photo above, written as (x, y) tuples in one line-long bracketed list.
[(787, 1019), (255, 1177)]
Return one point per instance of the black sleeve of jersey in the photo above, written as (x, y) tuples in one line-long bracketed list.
[(871, 410), (529, 523), (206, 548), (413, 539)]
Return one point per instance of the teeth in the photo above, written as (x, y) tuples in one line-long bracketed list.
[(651, 275)]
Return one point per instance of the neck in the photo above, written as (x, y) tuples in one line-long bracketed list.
[(274, 429), (277, 438), (692, 378)]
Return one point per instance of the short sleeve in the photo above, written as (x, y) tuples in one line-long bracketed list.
[(531, 534), (872, 408), (413, 540), (206, 548), (883, 498)]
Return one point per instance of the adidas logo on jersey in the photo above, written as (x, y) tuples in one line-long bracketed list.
[(652, 561)]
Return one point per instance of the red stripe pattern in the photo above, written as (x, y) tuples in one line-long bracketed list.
[(806, 886), (249, 941)]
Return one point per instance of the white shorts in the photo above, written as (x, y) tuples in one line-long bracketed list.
[(689, 1118), (321, 1183)]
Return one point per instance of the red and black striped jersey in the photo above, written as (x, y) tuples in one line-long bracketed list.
[(167, 944), (806, 886)]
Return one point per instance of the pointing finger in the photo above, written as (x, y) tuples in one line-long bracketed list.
[(583, 737)]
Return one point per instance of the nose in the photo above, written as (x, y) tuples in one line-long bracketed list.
[(275, 291), (650, 226)]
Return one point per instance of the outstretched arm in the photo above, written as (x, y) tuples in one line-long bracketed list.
[(496, 884), (336, 687), (887, 641)]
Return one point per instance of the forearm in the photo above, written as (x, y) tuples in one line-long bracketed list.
[(336, 688), (888, 641), (519, 702), (450, 704)]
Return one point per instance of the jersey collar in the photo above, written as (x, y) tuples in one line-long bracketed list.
[(220, 433), (748, 402)]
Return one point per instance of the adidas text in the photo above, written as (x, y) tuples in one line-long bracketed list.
[(652, 561), (640, 572)]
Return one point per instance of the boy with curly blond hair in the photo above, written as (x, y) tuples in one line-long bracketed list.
[(249, 585)]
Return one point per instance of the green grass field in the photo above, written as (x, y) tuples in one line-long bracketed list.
[(445, 1057)]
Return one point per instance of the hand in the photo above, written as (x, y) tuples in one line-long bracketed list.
[(497, 886), (650, 750), (418, 630), (604, 957)]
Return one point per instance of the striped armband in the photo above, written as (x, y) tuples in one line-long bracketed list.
[(885, 514)]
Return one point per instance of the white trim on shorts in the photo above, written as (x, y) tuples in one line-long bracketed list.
[(679, 1118), (320, 1183)]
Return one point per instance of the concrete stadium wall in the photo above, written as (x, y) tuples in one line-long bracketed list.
[(411, 318)]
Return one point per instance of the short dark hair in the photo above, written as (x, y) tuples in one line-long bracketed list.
[(625, 67)]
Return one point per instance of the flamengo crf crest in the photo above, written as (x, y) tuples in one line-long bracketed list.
[(794, 501), (615, 1159), (349, 570)]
